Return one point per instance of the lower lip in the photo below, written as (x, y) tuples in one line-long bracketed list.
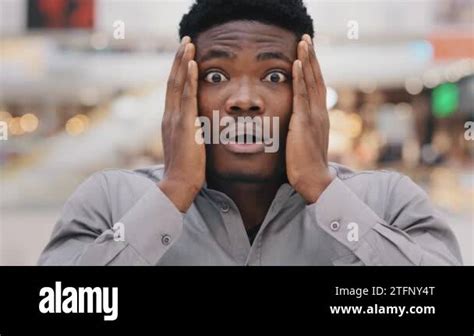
[(245, 148)]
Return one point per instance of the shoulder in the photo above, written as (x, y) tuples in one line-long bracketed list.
[(379, 188), (113, 183), (368, 179), (147, 174), (114, 191)]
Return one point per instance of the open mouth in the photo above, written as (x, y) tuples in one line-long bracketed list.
[(246, 139), (246, 144)]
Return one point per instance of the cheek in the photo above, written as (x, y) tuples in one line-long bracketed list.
[(282, 107), (281, 104), (209, 99), (203, 103)]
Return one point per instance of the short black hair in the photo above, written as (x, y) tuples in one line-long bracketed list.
[(205, 14)]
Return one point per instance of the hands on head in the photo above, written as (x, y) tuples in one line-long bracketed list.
[(307, 139)]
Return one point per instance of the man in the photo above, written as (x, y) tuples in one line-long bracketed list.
[(236, 204)]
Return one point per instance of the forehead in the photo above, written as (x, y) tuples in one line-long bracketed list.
[(239, 35)]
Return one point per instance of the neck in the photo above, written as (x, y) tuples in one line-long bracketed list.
[(252, 198)]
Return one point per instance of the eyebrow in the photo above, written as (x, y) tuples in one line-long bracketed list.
[(216, 53), (273, 55)]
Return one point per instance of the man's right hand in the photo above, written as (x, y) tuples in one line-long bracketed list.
[(185, 158)]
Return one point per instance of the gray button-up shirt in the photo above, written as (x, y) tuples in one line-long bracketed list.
[(120, 217)]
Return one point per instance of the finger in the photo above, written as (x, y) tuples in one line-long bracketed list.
[(174, 69), (189, 98), (178, 56), (181, 75), (315, 64), (310, 80), (300, 95)]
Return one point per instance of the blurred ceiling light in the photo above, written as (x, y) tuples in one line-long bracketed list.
[(5, 116), (452, 73), (431, 79), (331, 97), (29, 122), (457, 70), (368, 86), (85, 119), (88, 96), (75, 126), (14, 126), (99, 41), (413, 85)]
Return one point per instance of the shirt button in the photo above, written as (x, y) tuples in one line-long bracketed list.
[(335, 226), (165, 239), (225, 207)]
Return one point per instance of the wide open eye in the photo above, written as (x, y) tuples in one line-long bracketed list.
[(215, 77), (276, 77)]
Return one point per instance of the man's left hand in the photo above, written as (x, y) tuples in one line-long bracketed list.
[(308, 133)]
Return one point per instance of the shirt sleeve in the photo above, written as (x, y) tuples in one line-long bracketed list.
[(410, 232), (86, 235)]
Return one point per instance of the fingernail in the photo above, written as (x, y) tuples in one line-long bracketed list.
[(307, 38), (299, 65), (184, 39)]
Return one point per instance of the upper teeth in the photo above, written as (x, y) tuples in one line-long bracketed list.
[(246, 138)]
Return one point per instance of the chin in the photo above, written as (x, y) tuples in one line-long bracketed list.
[(245, 168), (242, 176), (247, 172)]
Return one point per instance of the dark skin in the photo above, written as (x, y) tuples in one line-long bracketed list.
[(250, 69)]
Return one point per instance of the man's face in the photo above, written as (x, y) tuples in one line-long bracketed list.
[(245, 71)]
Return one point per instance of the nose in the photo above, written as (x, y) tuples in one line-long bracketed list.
[(244, 99)]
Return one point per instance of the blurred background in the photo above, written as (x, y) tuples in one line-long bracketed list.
[(82, 85)]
